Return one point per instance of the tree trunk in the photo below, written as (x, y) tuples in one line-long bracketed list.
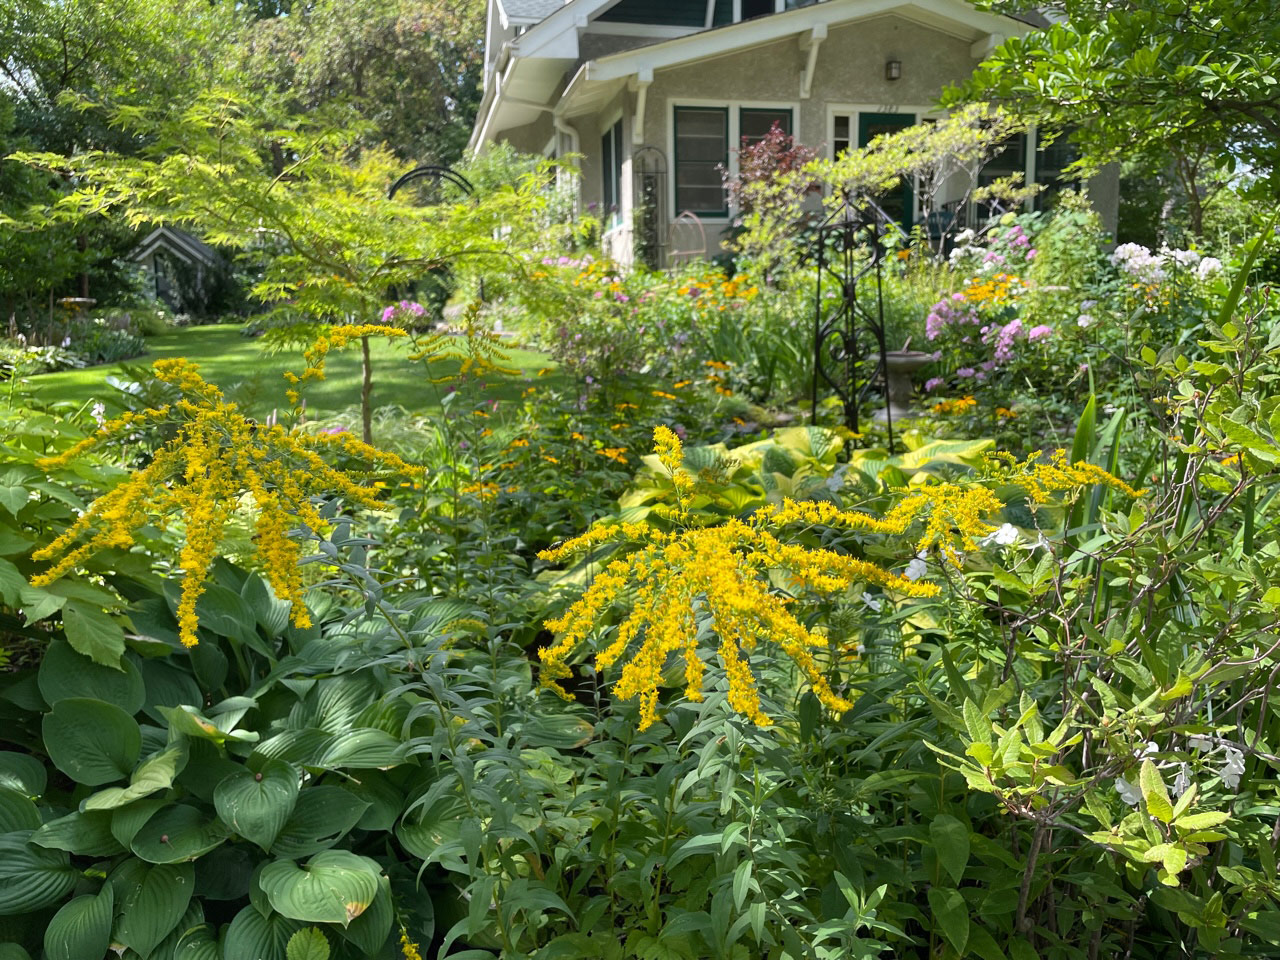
[(82, 244), (366, 391)]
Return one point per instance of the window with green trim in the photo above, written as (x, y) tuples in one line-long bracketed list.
[(754, 123), (702, 152), (611, 175)]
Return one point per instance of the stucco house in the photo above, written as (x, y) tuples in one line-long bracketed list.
[(657, 96)]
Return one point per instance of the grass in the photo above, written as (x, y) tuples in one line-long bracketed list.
[(255, 378)]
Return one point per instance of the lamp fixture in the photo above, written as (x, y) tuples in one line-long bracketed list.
[(892, 69)]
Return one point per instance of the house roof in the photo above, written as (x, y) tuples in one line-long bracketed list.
[(530, 75), (181, 244), (529, 11)]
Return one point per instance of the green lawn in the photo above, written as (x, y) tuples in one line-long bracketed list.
[(240, 367)]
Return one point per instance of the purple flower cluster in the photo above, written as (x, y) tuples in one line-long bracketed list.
[(563, 261), (405, 308), (949, 314)]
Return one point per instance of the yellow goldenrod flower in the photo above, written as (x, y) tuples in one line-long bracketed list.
[(216, 460), (727, 571)]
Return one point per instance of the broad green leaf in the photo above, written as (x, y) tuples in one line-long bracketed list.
[(177, 833), (951, 842), (369, 930), (22, 772), (154, 773), (1154, 792), (12, 951), (64, 674), (952, 915), (252, 934), (87, 834), (1201, 821), (321, 817), (93, 632), (310, 944), (167, 686), (32, 877), (200, 943), (334, 886), (257, 805), (153, 898), (81, 930), (91, 741), (17, 812)]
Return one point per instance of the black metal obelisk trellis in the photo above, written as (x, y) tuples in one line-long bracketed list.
[(435, 184), (848, 328)]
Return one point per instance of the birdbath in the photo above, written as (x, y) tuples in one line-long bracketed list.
[(899, 366), (77, 304)]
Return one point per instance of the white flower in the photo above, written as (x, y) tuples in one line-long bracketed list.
[(1148, 749), (1197, 742), (1183, 258), (1182, 782), (917, 568), (99, 412), (872, 602), (1084, 320), (1004, 537), (1208, 267), (1128, 792), (1233, 769)]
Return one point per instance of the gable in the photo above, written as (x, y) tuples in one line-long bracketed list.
[(667, 13)]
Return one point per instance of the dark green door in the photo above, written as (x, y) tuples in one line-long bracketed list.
[(899, 202)]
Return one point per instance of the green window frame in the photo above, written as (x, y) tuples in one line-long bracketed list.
[(753, 117), (611, 156), (700, 152), (901, 200)]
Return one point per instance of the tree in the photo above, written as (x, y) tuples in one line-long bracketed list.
[(1187, 85), (309, 201), (65, 66), (409, 68)]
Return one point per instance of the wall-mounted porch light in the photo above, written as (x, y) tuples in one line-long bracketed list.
[(892, 69)]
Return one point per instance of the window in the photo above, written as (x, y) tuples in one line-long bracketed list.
[(756, 8), (754, 124), (611, 175), (898, 203), (702, 149), (841, 137), (1051, 160)]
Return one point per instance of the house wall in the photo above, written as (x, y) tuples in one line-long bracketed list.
[(849, 72)]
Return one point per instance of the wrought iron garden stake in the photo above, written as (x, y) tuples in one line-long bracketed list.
[(848, 335)]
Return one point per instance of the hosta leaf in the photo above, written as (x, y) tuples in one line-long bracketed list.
[(153, 899), (369, 930), (87, 834), (91, 741), (257, 805), (22, 772), (154, 773), (65, 673), (81, 930), (17, 812), (253, 934), (31, 877), (322, 816), (177, 833), (200, 943), (334, 886)]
